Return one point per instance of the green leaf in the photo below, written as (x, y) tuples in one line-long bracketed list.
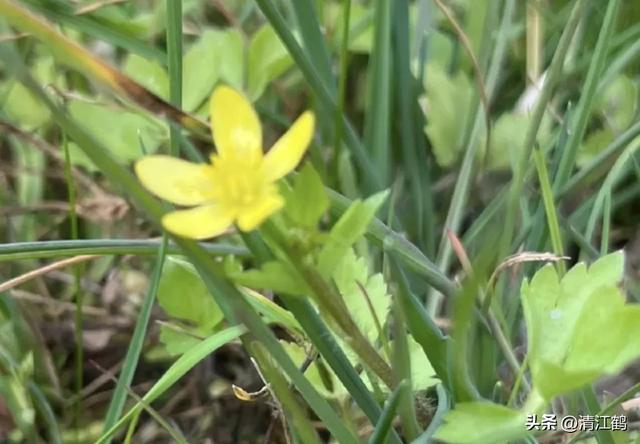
[(21, 107), (176, 342), (594, 144), (313, 374), (423, 375), (351, 271), (348, 230), (268, 59), (618, 102), (447, 100), (482, 422), (216, 55), (149, 74), (183, 295), (122, 132), (307, 201), (579, 327), (275, 276)]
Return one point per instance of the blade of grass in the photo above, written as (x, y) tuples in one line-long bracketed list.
[(135, 345), (384, 425), (396, 244), (174, 64), (322, 91), (62, 248), (331, 352), (405, 105), (313, 42), (78, 291), (551, 80), (421, 326), (587, 96), (606, 224), (376, 124), (177, 370), (402, 372), (342, 87), (461, 190), (235, 308), (46, 412), (549, 207)]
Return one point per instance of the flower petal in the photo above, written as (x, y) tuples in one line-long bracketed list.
[(199, 222), (176, 180), (235, 125), (289, 149), (251, 217)]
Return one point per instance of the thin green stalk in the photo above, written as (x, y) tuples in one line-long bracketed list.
[(313, 41), (135, 345), (549, 207), (174, 63), (46, 412), (587, 96), (444, 405), (405, 104), (235, 308), (551, 80), (384, 425), (606, 224), (140, 247), (79, 293), (402, 372), (590, 398), (342, 85), (377, 118), (323, 92)]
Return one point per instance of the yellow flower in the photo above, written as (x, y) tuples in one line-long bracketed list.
[(239, 186)]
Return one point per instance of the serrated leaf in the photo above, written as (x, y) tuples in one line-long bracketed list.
[(183, 295), (423, 375), (268, 59), (579, 327), (447, 103), (307, 201), (482, 422), (350, 272), (216, 55), (347, 231)]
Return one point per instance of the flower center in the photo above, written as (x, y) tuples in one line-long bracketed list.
[(239, 183)]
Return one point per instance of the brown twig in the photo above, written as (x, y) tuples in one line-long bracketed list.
[(26, 277)]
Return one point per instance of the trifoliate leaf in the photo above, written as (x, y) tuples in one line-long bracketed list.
[(579, 327), (350, 274)]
